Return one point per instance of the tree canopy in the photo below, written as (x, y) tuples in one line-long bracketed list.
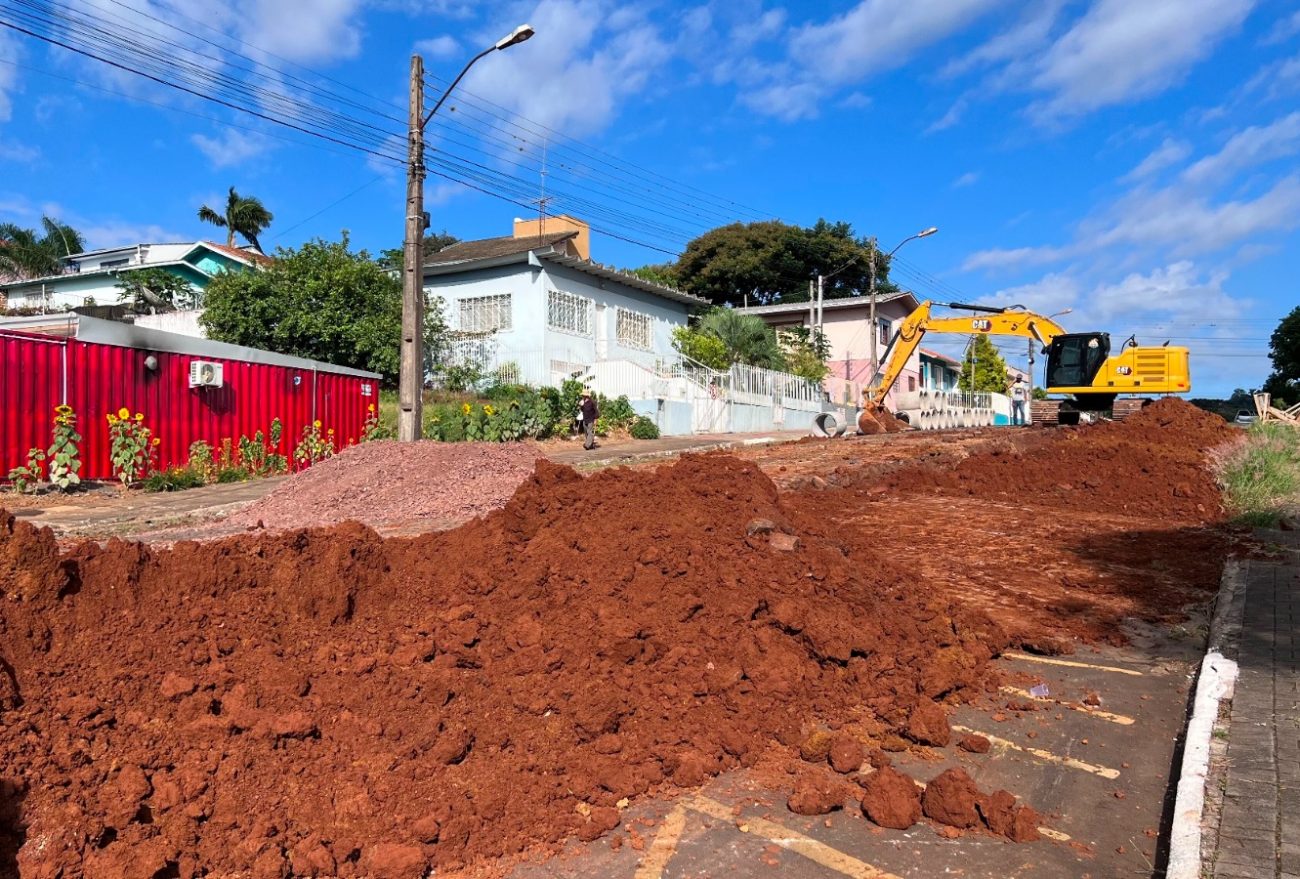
[(1284, 351), (391, 258), (154, 288), (27, 253), (321, 301), (243, 214), (989, 372), (723, 336), (767, 262)]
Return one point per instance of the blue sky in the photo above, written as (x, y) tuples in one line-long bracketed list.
[(1133, 161)]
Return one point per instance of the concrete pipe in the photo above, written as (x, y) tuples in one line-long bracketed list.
[(826, 425), (911, 416)]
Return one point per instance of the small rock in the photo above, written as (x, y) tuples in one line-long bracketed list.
[(846, 753), (975, 744), (928, 725), (782, 542), (950, 799), (175, 686), (891, 799), (760, 526)]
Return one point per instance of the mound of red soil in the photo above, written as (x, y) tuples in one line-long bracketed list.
[(1152, 463), (330, 703), (891, 799), (379, 482)]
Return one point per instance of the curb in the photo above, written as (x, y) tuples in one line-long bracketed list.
[(1218, 675)]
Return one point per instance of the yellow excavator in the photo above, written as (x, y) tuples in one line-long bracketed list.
[(1078, 364)]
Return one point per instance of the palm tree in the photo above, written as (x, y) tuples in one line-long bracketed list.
[(25, 254), (747, 338), (244, 214)]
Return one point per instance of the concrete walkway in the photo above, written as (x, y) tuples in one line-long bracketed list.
[(1259, 824)]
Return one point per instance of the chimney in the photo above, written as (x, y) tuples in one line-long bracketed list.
[(534, 228)]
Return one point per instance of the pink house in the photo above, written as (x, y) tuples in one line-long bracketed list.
[(847, 326)]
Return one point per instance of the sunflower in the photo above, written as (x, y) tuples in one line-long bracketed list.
[(156, 441), (124, 413), (112, 419), (139, 416), (316, 424)]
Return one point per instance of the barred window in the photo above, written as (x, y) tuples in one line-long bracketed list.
[(634, 329), (568, 312), (485, 314)]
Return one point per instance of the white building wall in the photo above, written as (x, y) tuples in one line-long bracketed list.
[(184, 323)]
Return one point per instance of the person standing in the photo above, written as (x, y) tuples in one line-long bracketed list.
[(1019, 393), (588, 412)]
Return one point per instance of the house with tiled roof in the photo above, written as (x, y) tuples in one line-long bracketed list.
[(91, 277), (535, 302)]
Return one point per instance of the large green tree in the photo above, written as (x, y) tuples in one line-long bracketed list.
[(321, 301), (988, 374), (1284, 351), (392, 257), (243, 214), (771, 261), (154, 288), (28, 253)]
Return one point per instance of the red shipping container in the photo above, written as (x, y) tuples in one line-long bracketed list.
[(101, 366)]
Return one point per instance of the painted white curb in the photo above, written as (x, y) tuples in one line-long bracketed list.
[(1215, 683)]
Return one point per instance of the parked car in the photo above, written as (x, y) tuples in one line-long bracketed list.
[(1245, 418)]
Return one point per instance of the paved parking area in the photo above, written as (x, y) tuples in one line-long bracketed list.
[(1099, 774)]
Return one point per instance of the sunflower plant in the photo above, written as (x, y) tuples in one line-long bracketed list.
[(132, 445), (25, 479), (63, 455), (314, 446)]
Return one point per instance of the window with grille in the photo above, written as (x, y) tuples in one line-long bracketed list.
[(568, 312), (886, 327), (635, 330), (485, 314)]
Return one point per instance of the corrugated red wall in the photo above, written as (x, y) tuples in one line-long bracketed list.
[(105, 378)]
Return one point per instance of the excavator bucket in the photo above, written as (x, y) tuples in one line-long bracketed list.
[(875, 420)]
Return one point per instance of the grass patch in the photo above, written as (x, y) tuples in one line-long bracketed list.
[(1261, 477)]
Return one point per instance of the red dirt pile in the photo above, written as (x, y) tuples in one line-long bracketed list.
[(376, 483), (1152, 463), (330, 703)]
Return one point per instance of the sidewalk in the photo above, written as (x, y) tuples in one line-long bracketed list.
[(1259, 826)]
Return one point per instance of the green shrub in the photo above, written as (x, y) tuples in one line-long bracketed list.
[(233, 474), (644, 429), (1261, 477), (174, 479), (618, 412)]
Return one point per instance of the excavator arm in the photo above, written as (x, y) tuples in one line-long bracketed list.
[(991, 322)]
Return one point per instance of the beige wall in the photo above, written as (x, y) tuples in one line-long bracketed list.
[(536, 226)]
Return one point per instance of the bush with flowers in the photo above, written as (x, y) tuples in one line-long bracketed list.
[(132, 446), (314, 446)]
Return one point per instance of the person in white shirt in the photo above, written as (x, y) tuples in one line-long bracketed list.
[(1019, 393)]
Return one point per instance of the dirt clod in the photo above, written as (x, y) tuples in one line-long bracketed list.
[(891, 799), (951, 799), (975, 744), (816, 793), (846, 753), (927, 724)]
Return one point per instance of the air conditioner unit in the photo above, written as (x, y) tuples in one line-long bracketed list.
[(205, 374)]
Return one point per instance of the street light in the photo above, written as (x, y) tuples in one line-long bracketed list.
[(924, 233), (410, 381)]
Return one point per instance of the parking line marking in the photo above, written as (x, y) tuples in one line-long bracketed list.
[(1121, 719), (664, 846), (796, 842), (1071, 664), (1103, 771)]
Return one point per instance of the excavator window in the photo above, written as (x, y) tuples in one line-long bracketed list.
[(1073, 359)]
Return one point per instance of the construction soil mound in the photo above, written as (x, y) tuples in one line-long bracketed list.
[(1150, 464), (387, 481), (329, 703)]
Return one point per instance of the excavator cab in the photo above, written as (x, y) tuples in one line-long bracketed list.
[(1074, 359)]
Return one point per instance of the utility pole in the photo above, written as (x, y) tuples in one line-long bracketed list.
[(410, 392), (410, 381), (821, 298), (871, 316)]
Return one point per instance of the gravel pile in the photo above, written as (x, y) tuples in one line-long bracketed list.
[(443, 484)]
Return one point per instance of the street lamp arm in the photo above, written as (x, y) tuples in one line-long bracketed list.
[(488, 51)]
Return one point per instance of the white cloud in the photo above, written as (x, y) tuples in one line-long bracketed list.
[(1169, 153), (9, 51), (970, 178), (1251, 146), (22, 154), (856, 100), (1008, 258), (1277, 79), (1284, 29), (950, 118), (116, 233), (441, 48), (578, 68), (301, 30), (1121, 50), (1032, 33), (878, 35), (232, 147)]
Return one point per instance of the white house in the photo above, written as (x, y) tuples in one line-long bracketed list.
[(534, 306), (534, 301), (91, 278)]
